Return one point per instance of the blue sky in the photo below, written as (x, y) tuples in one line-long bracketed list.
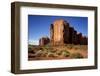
[(39, 25)]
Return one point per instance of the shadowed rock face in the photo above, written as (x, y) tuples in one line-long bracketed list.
[(61, 33)]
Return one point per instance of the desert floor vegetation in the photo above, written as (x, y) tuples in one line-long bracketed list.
[(69, 51)]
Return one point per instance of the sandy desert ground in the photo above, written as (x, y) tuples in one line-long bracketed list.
[(69, 51)]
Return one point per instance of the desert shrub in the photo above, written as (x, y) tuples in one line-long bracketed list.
[(44, 54), (40, 48), (77, 47), (50, 55), (76, 55), (44, 48), (52, 51), (65, 53), (59, 52), (70, 46), (30, 50)]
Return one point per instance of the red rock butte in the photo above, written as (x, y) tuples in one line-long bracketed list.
[(62, 33)]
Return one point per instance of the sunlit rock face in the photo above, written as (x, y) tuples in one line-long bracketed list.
[(59, 32)]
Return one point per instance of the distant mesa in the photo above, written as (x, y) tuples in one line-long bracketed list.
[(62, 33), (44, 41)]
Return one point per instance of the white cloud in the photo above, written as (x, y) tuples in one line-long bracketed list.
[(33, 42)]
